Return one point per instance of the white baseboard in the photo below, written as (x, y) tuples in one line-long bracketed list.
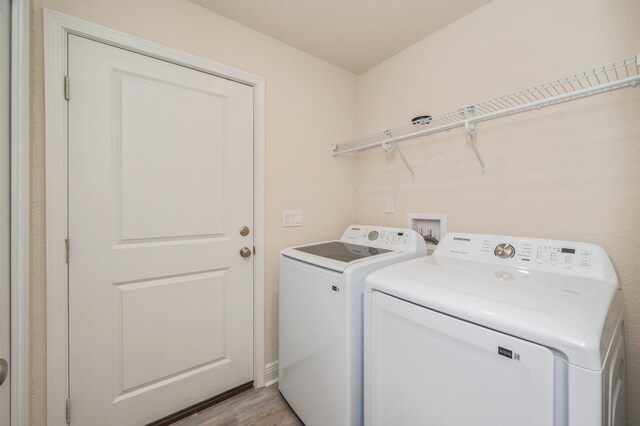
[(271, 374)]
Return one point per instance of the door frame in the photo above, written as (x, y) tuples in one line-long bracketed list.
[(20, 212), (57, 27)]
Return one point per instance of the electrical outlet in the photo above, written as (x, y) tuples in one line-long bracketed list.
[(292, 218), (390, 206)]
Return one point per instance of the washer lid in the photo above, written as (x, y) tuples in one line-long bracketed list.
[(574, 314), (341, 251), (363, 246), (334, 255)]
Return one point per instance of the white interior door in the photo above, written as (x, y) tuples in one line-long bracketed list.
[(160, 183), (5, 176)]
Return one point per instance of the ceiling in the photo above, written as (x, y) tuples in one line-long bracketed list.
[(352, 34)]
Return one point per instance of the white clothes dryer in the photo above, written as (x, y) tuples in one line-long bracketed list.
[(493, 330), (320, 350)]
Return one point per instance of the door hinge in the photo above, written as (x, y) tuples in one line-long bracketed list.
[(68, 410), (66, 87), (67, 250), (254, 250)]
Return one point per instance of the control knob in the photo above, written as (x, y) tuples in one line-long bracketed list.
[(373, 235), (504, 251)]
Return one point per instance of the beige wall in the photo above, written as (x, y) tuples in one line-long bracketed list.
[(566, 172), (309, 104)]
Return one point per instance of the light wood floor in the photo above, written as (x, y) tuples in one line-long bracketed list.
[(256, 407)]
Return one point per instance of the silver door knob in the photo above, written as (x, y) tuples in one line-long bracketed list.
[(4, 370), (244, 231), (245, 252)]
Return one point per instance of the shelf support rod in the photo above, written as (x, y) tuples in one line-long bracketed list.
[(388, 146), (406, 163), (470, 128)]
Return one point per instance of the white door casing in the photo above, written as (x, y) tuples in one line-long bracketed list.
[(58, 28), (160, 182), (20, 206), (5, 211)]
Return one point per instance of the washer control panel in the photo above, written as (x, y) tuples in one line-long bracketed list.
[(572, 258), (566, 256), (399, 239)]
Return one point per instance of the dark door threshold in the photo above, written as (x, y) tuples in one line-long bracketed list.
[(203, 405)]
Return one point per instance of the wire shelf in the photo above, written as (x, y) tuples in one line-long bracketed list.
[(616, 75)]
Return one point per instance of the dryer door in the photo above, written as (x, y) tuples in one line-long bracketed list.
[(426, 368)]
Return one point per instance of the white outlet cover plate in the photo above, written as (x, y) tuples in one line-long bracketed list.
[(292, 218), (390, 206)]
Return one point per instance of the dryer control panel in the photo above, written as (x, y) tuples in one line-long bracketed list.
[(564, 257), (397, 239)]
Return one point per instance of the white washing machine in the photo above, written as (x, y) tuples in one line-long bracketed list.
[(321, 287), (494, 330)]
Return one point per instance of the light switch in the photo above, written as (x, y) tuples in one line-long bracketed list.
[(292, 218)]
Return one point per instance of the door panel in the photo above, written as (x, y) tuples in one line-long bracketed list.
[(160, 182), (200, 127), (423, 367), (170, 310), (5, 179)]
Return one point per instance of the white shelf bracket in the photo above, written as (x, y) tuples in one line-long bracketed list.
[(470, 128), (388, 147), (406, 163)]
